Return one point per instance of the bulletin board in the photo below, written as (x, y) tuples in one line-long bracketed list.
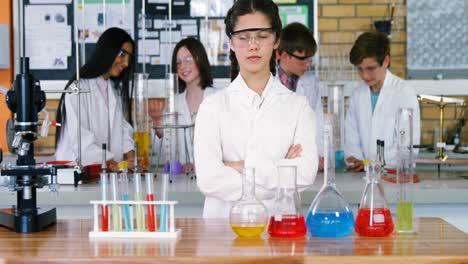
[(50, 40), (437, 39)]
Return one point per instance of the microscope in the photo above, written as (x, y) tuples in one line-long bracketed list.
[(26, 100)]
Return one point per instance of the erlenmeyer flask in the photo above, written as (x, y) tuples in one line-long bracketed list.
[(374, 219), (286, 219), (329, 214), (248, 216)]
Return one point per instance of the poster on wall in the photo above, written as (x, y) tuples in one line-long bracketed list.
[(94, 17), (215, 41), (47, 36), (294, 13), (210, 8)]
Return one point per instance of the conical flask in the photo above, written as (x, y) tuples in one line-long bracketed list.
[(286, 219), (329, 214), (374, 219), (248, 216), (405, 170)]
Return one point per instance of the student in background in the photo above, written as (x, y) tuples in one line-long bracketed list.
[(296, 49), (105, 109), (373, 106), (191, 64), (255, 121)]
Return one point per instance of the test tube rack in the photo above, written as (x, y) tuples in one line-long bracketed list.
[(171, 233)]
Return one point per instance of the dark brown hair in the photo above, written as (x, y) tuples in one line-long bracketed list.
[(200, 58), (245, 7), (297, 37), (370, 45)]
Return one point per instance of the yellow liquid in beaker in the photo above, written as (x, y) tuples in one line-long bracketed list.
[(248, 231), (142, 139)]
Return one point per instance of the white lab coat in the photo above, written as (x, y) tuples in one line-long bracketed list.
[(308, 85), (99, 124), (184, 118), (237, 124), (363, 128)]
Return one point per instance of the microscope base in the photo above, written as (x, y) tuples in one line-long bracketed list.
[(28, 222)]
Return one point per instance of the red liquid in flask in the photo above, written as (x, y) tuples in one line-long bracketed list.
[(151, 227), (382, 224), (287, 226), (105, 218)]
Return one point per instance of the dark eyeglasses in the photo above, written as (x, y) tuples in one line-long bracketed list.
[(304, 59), (123, 53)]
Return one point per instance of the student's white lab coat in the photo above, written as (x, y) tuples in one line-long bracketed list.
[(237, 124), (99, 124), (309, 86), (363, 128), (184, 118)]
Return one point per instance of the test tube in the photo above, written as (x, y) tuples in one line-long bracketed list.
[(150, 198), (126, 197), (116, 215), (164, 208), (140, 221), (104, 208)]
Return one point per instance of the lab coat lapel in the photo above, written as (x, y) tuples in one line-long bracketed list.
[(112, 104), (384, 93)]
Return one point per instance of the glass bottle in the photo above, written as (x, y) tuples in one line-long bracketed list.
[(374, 219), (248, 216), (140, 117), (286, 219), (329, 214), (405, 171)]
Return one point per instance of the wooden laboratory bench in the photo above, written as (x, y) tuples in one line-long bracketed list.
[(212, 241)]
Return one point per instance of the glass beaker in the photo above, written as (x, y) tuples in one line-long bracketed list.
[(140, 117), (405, 170), (329, 214), (248, 216), (286, 219), (335, 106), (374, 219)]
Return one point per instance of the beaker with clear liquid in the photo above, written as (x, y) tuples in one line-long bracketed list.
[(335, 106), (286, 219), (248, 216), (140, 118), (374, 218), (405, 170), (329, 214)]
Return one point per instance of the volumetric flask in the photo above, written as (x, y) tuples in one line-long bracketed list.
[(140, 117), (248, 216), (329, 214), (286, 219), (405, 170), (374, 219)]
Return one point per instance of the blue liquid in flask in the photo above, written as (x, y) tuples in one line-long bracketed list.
[(330, 224)]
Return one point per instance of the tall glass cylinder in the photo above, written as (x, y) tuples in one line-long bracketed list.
[(405, 170), (336, 108), (172, 164), (140, 117)]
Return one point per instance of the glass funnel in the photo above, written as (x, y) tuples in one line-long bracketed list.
[(405, 171), (374, 219), (329, 214), (286, 219), (248, 216), (140, 117)]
